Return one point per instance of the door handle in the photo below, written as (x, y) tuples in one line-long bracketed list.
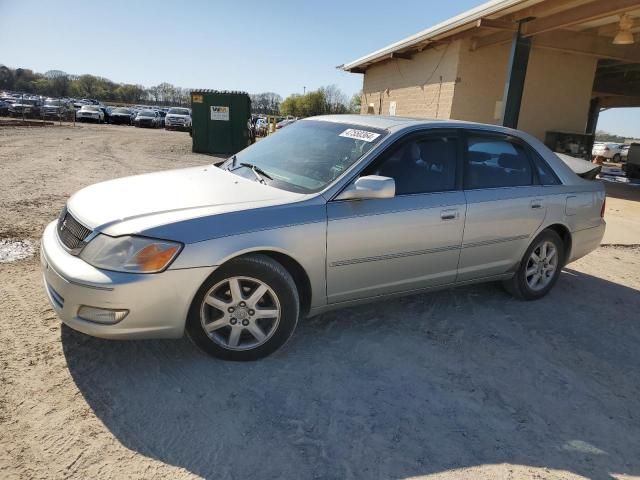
[(449, 214), (537, 203)]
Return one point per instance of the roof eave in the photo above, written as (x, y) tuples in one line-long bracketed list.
[(464, 21)]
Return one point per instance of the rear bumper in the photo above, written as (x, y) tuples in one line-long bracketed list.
[(586, 241), (157, 303)]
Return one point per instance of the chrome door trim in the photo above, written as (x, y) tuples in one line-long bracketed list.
[(341, 263), (494, 241)]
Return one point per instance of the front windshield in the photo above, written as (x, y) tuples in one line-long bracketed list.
[(90, 108), (178, 111), (308, 155), (122, 110), (53, 103), (147, 113), (27, 101)]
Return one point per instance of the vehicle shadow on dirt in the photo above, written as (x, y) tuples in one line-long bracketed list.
[(408, 387)]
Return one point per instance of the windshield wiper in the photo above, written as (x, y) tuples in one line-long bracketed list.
[(258, 172)]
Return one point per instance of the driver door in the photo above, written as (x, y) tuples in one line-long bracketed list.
[(410, 241)]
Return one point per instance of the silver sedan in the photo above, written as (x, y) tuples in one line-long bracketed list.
[(329, 212)]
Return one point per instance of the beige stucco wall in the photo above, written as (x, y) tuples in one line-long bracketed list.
[(456, 82), (481, 78), (557, 92), (421, 87)]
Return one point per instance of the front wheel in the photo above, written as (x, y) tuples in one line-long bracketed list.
[(539, 269), (246, 310)]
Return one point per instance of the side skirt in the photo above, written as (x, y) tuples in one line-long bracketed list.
[(361, 301)]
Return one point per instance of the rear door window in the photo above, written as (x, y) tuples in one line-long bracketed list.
[(494, 161)]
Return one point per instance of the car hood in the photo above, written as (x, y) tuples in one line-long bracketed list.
[(134, 204)]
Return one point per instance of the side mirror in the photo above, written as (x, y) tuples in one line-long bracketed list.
[(370, 186)]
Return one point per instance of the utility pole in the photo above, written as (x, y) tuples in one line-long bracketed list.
[(304, 90)]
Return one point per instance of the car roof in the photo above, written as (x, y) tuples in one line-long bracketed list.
[(393, 123)]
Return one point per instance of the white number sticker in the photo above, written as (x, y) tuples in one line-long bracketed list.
[(359, 135)]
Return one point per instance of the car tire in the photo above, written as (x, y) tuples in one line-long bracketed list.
[(224, 318), (535, 278), (616, 158)]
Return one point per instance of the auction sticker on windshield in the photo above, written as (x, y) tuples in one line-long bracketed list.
[(359, 134)]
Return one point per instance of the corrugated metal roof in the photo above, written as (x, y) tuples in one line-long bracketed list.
[(466, 19)]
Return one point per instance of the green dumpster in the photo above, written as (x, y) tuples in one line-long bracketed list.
[(219, 121)]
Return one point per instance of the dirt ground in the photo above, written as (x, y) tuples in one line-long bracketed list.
[(465, 383)]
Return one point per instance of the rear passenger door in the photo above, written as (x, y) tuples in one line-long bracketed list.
[(505, 206)]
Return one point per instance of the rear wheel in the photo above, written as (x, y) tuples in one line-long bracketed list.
[(616, 158), (245, 310), (539, 269)]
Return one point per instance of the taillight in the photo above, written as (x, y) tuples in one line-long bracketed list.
[(606, 149), (604, 204)]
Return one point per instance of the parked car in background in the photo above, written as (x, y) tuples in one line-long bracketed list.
[(632, 165), (148, 118), (178, 119), (609, 151), (261, 127), (162, 115), (56, 108), (624, 153), (29, 107), (4, 108), (90, 113), (330, 212), (107, 113), (122, 116)]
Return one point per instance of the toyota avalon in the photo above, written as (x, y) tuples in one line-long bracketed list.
[(329, 212)]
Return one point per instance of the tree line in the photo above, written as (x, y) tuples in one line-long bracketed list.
[(324, 100), (90, 86)]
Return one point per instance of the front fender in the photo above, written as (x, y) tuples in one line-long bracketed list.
[(305, 243)]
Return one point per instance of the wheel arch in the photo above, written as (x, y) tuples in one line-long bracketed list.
[(293, 266), (565, 234)]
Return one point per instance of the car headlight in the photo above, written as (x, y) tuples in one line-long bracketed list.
[(130, 254)]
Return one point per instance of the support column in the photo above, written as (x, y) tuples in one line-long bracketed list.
[(594, 113), (516, 75)]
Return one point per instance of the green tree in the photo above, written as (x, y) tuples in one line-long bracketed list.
[(6, 78), (356, 103)]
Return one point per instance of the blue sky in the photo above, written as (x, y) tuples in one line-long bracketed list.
[(267, 45)]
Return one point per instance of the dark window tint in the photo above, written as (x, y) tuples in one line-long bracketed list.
[(495, 161), (545, 173), (421, 165)]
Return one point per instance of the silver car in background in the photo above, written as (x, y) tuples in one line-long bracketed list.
[(331, 211)]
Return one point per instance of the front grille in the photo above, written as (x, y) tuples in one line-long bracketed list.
[(71, 232)]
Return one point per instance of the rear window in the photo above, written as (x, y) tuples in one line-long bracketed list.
[(546, 175)]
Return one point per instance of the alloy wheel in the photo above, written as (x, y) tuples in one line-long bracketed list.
[(240, 313), (541, 265)]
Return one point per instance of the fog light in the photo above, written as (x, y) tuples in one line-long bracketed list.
[(101, 315)]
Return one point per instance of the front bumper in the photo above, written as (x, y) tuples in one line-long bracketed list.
[(120, 120), (157, 303)]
